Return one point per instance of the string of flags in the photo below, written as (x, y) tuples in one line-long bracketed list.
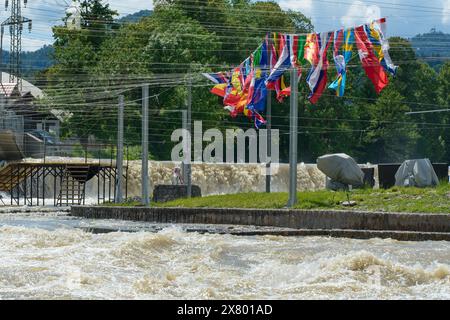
[(245, 88)]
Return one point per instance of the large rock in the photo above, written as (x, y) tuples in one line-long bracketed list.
[(341, 168), (416, 173)]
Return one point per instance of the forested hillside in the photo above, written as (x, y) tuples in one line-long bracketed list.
[(433, 47), (135, 17), (32, 61), (94, 65)]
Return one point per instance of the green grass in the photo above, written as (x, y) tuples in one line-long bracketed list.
[(428, 200)]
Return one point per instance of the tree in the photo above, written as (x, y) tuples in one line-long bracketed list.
[(390, 136), (443, 98), (71, 86), (161, 50)]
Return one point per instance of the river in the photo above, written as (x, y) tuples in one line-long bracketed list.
[(51, 256)]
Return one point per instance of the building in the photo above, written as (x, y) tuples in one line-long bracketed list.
[(20, 113), (22, 103)]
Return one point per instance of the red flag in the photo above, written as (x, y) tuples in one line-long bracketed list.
[(369, 61), (220, 90)]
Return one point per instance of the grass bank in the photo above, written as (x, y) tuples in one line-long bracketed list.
[(429, 200)]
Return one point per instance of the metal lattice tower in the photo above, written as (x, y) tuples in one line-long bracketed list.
[(15, 23)]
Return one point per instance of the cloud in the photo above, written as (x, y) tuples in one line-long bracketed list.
[(48, 13), (304, 6), (32, 44), (360, 13), (446, 12), (130, 6)]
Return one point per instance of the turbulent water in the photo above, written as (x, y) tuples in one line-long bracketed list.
[(212, 178), (228, 178), (50, 257)]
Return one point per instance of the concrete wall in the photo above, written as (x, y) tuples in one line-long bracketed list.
[(296, 219)]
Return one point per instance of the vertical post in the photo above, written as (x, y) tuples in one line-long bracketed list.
[(119, 161), (2, 32), (144, 178), (43, 186), (188, 180), (293, 132), (126, 175), (269, 119), (185, 146), (269, 141)]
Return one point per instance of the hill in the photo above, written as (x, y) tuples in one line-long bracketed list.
[(32, 61), (135, 17), (433, 47)]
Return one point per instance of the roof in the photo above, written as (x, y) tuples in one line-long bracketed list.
[(29, 91), (8, 89), (26, 87)]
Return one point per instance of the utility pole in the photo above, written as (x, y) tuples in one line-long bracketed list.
[(144, 172), (119, 161), (269, 122), (186, 152), (188, 180), (15, 23), (269, 142), (293, 132)]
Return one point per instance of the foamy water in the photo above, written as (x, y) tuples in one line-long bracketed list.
[(212, 178), (46, 257)]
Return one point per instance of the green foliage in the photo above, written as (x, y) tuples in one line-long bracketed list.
[(388, 138)]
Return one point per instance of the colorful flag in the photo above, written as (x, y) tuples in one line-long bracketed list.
[(376, 33), (369, 61), (246, 67), (295, 58), (311, 50), (259, 120), (341, 61), (277, 85), (257, 92), (283, 63), (221, 80), (220, 90), (217, 78), (317, 52), (234, 90), (244, 89), (260, 56), (297, 51)]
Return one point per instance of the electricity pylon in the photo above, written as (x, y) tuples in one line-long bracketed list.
[(15, 23)]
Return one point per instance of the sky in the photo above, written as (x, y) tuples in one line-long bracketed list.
[(406, 18)]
